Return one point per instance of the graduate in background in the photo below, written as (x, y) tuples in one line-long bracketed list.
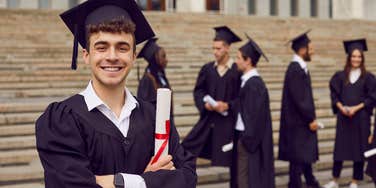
[(371, 165), (298, 142), (352, 96), (221, 80), (154, 76), (253, 140), (104, 137)]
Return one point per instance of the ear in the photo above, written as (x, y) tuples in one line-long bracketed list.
[(86, 56)]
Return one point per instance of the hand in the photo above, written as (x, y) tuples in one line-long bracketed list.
[(352, 111), (221, 107), (344, 110), (208, 107), (164, 162), (370, 139), (106, 181), (313, 126)]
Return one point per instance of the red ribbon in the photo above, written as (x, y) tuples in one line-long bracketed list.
[(164, 137)]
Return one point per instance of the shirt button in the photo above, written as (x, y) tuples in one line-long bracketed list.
[(126, 142)]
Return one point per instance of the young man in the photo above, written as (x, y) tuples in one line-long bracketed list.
[(220, 79), (104, 137), (254, 135), (298, 126)]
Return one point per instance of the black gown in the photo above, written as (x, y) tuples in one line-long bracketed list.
[(297, 143), (147, 88), (213, 130), (258, 134), (75, 144), (352, 133), (371, 166)]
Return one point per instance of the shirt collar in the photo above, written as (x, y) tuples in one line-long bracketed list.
[(251, 73), (93, 101), (301, 62), (228, 64)]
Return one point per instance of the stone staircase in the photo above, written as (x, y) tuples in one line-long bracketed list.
[(35, 70)]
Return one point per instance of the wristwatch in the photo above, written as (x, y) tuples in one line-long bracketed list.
[(118, 180)]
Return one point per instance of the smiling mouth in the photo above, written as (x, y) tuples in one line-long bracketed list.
[(112, 69)]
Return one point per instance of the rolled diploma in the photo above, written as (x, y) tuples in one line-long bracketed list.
[(320, 125), (370, 153), (213, 103), (162, 115)]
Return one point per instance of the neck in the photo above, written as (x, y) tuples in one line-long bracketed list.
[(113, 97), (224, 60), (248, 69), (355, 68)]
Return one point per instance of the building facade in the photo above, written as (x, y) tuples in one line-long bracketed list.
[(324, 9)]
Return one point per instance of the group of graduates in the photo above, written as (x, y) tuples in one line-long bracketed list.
[(241, 116), (104, 136)]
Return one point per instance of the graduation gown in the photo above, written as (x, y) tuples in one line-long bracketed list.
[(352, 133), (147, 88), (75, 144), (297, 143), (147, 91), (258, 134), (213, 130), (371, 166)]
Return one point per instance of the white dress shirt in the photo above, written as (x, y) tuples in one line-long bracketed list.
[(354, 75), (301, 62), (246, 76), (122, 123), (222, 71)]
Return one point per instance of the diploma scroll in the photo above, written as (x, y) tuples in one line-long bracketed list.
[(370, 153), (213, 103), (162, 123)]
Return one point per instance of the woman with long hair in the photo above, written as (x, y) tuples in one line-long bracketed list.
[(351, 92)]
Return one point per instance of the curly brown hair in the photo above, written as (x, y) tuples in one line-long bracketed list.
[(117, 26)]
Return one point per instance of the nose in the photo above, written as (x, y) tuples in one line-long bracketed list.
[(112, 55)]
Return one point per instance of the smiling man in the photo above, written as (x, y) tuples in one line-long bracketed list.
[(104, 137)]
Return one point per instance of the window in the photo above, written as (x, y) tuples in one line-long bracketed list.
[(44, 4), (13, 3)]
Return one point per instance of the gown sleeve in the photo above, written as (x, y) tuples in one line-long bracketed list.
[(254, 120), (62, 150), (200, 90), (146, 90), (300, 96), (370, 84), (335, 85)]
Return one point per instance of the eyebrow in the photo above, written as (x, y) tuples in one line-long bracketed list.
[(106, 43)]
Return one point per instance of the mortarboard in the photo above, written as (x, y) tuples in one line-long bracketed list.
[(101, 11), (224, 33), (300, 41), (252, 50), (350, 45)]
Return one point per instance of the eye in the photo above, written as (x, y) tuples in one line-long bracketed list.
[(124, 48), (100, 48)]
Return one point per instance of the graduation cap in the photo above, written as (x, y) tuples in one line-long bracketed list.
[(350, 45), (300, 41), (149, 49), (252, 50), (224, 33), (93, 12)]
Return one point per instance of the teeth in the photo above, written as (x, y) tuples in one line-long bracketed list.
[(111, 69)]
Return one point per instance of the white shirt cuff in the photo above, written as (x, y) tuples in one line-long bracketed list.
[(133, 181)]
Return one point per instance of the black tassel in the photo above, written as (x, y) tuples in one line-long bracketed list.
[(75, 48)]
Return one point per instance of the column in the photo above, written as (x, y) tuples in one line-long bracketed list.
[(263, 7), (304, 8), (284, 8), (323, 9)]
